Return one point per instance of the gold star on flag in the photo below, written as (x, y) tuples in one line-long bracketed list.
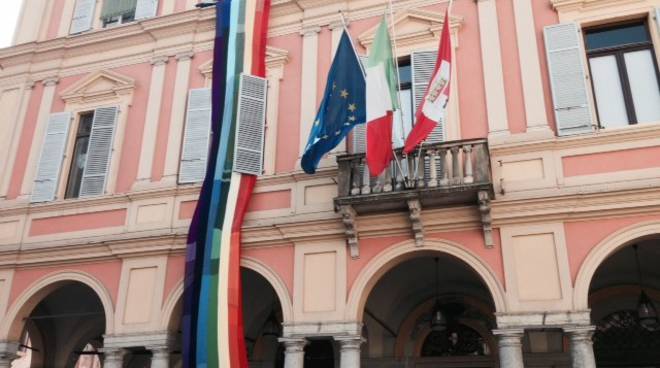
[(351, 118), (338, 132), (352, 107), (344, 93), (317, 122)]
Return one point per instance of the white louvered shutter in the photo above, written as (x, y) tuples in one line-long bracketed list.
[(568, 79), (52, 154), (196, 136), (422, 64), (251, 124), (359, 132), (97, 164), (83, 14), (657, 19), (146, 9)]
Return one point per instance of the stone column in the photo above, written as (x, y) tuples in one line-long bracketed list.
[(349, 351), (8, 353), (510, 347), (160, 357), (582, 351), (294, 353), (113, 357)]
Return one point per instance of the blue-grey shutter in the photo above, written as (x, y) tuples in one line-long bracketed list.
[(251, 120), (52, 154), (83, 14), (359, 131), (146, 9), (97, 164), (568, 79), (422, 64), (196, 136)]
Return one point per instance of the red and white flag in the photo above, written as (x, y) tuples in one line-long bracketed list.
[(431, 110)]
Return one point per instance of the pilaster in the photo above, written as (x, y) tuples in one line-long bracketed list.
[(177, 120), (152, 116), (309, 74), (50, 84), (491, 55), (530, 67)]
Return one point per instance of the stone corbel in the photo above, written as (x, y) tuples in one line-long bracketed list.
[(348, 217), (415, 215), (486, 221)]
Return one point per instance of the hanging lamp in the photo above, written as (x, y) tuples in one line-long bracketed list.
[(438, 319), (646, 311)]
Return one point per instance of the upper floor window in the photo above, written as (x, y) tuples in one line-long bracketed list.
[(403, 119), (113, 13), (79, 156), (624, 74)]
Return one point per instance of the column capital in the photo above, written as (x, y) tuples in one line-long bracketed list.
[(184, 56), (350, 342), (8, 350), (50, 81), (293, 344), (338, 24), (580, 332), (310, 30), (509, 337), (159, 60)]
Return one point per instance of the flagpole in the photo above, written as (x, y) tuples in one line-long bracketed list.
[(344, 25)]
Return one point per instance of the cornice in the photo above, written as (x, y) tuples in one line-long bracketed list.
[(571, 5)]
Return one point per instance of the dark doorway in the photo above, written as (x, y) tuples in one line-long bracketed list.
[(319, 354)]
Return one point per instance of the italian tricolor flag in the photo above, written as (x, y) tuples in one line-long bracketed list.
[(381, 101)]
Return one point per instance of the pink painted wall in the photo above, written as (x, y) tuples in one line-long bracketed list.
[(277, 258), (72, 223), (180, 5), (583, 236), (187, 209), (511, 67), (288, 118), (107, 272), (130, 155), (55, 19), (176, 266), (25, 142), (270, 201), (196, 78), (164, 121), (598, 163)]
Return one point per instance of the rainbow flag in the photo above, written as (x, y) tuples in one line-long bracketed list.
[(212, 310)]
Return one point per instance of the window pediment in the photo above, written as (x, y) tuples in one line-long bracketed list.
[(102, 85), (275, 57), (414, 27)]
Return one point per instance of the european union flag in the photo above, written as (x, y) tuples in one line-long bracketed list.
[(343, 106)]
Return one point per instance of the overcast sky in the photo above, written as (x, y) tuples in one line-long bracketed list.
[(8, 14)]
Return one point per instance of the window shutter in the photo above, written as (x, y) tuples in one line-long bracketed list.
[(359, 132), (422, 64), (98, 154), (196, 136), (568, 79), (146, 9), (52, 153), (83, 14), (251, 120)]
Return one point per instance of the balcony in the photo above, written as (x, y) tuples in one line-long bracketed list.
[(439, 175)]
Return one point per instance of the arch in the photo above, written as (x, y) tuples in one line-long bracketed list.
[(12, 325), (171, 307), (275, 282), (405, 250), (602, 251)]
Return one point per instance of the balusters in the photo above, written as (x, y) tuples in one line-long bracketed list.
[(455, 166), (366, 179), (421, 164), (387, 178), (356, 175), (399, 178), (433, 169), (467, 156), (444, 179)]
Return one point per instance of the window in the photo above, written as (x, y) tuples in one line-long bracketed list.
[(116, 12), (624, 74), (403, 120), (79, 156)]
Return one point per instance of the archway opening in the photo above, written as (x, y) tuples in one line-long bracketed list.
[(262, 316), (430, 310), (624, 296), (64, 329)]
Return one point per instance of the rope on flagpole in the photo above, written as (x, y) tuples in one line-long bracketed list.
[(398, 85)]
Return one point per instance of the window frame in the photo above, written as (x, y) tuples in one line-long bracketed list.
[(72, 141), (618, 52)]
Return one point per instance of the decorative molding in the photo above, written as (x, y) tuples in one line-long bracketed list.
[(102, 85), (275, 58), (415, 216), (348, 216), (486, 220), (50, 81), (159, 60), (414, 26)]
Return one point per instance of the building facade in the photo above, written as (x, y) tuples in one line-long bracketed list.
[(525, 233)]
